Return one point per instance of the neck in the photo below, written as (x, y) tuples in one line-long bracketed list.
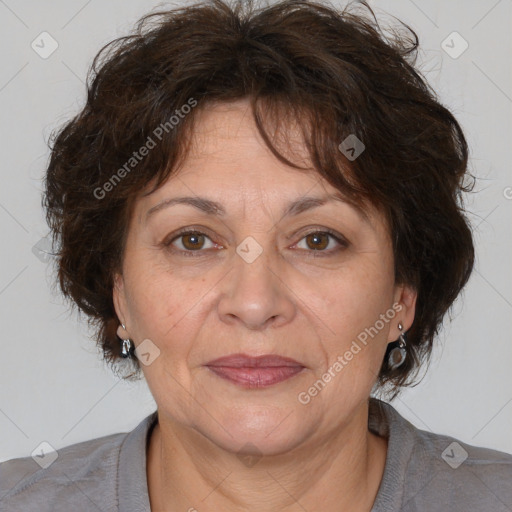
[(340, 471)]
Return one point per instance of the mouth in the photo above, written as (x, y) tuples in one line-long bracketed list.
[(255, 372)]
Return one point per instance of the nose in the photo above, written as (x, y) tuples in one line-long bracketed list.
[(256, 294)]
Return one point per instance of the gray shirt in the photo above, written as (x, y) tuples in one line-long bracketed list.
[(423, 472)]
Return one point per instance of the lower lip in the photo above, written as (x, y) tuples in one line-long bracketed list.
[(256, 377)]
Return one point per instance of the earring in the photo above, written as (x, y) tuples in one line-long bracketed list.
[(126, 346), (398, 354)]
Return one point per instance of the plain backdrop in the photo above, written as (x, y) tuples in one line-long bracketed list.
[(54, 386)]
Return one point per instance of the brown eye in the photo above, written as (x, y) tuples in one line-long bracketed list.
[(317, 241), (189, 243), (193, 241)]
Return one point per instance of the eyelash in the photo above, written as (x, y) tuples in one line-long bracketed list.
[(316, 253)]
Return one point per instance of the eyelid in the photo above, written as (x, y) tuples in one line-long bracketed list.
[(318, 229), (342, 242), (187, 230)]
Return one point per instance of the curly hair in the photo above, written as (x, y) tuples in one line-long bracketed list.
[(335, 71)]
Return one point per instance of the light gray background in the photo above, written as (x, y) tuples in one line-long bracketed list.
[(53, 385)]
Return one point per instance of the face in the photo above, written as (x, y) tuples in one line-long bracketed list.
[(255, 278)]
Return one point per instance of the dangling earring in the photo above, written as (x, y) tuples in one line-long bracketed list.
[(126, 347), (398, 354)]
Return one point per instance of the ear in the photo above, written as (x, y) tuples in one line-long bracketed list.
[(119, 299), (404, 304)]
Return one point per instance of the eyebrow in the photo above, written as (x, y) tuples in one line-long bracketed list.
[(294, 208)]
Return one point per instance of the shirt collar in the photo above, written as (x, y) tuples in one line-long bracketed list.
[(385, 421), (132, 485)]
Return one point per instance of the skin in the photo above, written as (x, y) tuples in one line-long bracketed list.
[(292, 300)]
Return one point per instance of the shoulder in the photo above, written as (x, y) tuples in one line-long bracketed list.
[(445, 471), (458, 474), (80, 475), (427, 471)]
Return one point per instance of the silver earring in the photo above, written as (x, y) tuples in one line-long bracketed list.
[(398, 354), (126, 347)]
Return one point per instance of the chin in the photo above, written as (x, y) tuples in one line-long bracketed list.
[(258, 431)]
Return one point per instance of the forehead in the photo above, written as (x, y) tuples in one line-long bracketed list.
[(229, 165), (227, 131)]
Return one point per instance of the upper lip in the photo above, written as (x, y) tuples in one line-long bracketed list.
[(245, 361)]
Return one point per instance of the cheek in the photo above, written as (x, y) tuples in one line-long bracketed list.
[(162, 303), (358, 293), (356, 300), (150, 298)]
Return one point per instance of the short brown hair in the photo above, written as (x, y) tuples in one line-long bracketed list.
[(335, 71)]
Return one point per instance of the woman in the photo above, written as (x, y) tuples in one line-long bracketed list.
[(260, 210)]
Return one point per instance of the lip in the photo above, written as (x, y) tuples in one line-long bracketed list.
[(255, 372), (246, 361), (256, 377)]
